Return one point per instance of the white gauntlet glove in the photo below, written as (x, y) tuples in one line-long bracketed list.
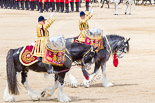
[(52, 15)]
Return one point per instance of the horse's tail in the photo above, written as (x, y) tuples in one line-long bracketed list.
[(11, 73)]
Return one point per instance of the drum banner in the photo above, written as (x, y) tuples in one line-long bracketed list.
[(26, 57), (54, 57)]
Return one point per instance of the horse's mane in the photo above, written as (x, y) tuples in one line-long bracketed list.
[(113, 36)]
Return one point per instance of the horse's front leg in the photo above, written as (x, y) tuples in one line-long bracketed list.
[(87, 83), (62, 97), (48, 92), (72, 80), (34, 95), (105, 81)]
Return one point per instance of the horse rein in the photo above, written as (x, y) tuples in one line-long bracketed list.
[(110, 52)]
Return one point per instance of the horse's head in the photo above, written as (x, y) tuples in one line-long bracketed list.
[(88, 58), (122, 48)]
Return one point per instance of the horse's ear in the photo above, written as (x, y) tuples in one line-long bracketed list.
[(128, 39)]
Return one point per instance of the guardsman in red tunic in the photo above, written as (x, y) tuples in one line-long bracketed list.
[(32, 5), (72, 5), (61, 4), (46, 5), (77, 5), (57, 5), (67, 6), (22, 4), (87, 5), (52, 5)]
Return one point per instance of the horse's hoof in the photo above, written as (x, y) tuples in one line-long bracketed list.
[(129, 13), (125, 13), (109, 84), (64, 98), (86, 83)]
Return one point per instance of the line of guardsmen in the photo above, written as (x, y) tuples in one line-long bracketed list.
[(43, 5)]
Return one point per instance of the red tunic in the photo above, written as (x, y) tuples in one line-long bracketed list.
[(45, 0), (87, 0), (40, 0), (21, 0), (31, 0), (71, 0), (57, 1), (76, 0), (51, 1), (61, 1), (17, 0), (66, 1)]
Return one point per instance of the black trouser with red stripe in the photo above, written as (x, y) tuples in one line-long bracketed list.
[(87, 6), (77, 6), (72, 6), (67, 8), (1, 3), (22, 4), (52, 5), (32, 5), (27, 5), (37, 4), (57, 6), (61, 6), (46, 6), (41, 7)]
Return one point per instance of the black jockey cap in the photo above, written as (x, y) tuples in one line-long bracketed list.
[(82, 13), (41, 18)]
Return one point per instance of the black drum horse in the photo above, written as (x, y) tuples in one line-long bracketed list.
[(112, 43), (76, 51)]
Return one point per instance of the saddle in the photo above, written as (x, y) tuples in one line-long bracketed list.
[(54, 53)]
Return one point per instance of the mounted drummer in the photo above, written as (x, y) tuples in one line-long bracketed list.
[(43, 36), (83, 24)]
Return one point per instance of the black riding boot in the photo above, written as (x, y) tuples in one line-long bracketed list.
[(72, 6), (77, 6), (87, 6)]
